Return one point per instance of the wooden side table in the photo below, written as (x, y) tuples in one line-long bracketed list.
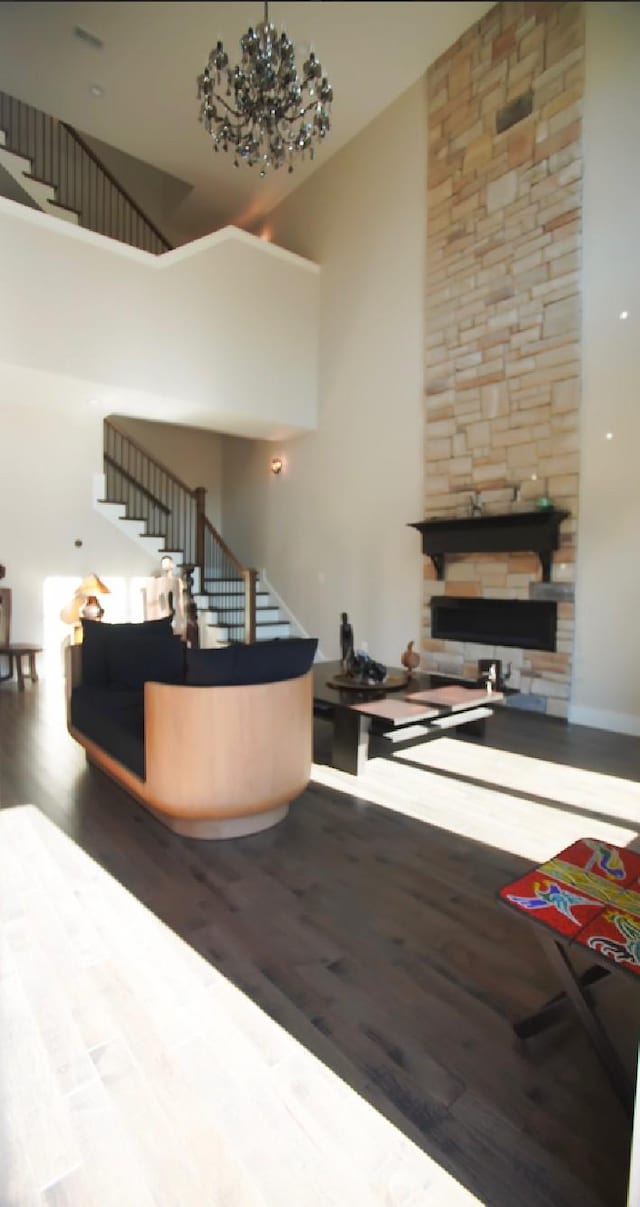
[(16, 653), (587, 896)]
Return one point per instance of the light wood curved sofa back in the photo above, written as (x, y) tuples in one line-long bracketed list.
[(219, 761), (253, 746)]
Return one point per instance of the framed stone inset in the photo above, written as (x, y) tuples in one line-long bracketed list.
[(5, 615)]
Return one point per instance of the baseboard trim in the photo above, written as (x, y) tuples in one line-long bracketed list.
[(617, 722)]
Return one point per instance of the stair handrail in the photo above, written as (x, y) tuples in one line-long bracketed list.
[(224, 547), (145, 453), (112, 180), (138, 485)]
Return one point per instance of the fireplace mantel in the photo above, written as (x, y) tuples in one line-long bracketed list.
[(524, 531)]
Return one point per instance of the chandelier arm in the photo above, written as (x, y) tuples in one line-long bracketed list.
[(293, 116), (221, 101)]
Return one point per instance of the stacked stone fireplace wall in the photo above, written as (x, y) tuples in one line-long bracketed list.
[(503, 313)]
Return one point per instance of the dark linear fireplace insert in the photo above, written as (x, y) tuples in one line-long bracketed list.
[(526, 623)]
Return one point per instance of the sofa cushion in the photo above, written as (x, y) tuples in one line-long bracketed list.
[(131, 664), (98, 638), (263, 662), (114, 720)]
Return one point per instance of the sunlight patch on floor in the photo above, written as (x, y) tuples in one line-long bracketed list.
[(523, 826), (143, 1075), (607, 794)]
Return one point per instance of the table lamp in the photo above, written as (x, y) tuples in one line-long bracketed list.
[(85, 604)]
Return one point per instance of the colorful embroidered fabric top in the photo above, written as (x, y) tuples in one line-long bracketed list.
[(589, 894)]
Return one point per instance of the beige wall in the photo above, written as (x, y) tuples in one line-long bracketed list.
[(191, 336), (49, 456), (606, 685), (331, 530)]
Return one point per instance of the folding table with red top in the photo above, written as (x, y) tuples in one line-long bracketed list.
[(587, 896)]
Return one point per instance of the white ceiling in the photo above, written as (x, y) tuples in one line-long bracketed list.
[(153, 52)]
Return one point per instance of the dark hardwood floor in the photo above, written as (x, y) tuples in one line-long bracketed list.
[(376, 940)]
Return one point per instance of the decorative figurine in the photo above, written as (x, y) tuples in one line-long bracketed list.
[(410, 659), (346, 643), (364, 669)]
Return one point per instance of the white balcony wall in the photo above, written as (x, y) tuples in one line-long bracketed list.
[(219, 334)]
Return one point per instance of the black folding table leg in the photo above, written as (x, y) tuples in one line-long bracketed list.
[(558, 957), (556, 1008)]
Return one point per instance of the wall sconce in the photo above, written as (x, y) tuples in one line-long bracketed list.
[(276, 465)]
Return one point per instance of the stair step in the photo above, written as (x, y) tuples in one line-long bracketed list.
[(225, 619), (234, 600), (38, 179), (263, 606), (236, 582), (64, 212), (224, 636), (18, 167), (264, 632), (40, 190), (14, 162)]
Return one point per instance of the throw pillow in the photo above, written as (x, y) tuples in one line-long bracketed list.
[(131, 664), (263, 662), (98, 637)]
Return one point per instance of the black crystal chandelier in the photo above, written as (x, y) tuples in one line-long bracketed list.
[(262, 110)]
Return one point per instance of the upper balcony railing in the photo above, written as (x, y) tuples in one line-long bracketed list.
[(61, 158)]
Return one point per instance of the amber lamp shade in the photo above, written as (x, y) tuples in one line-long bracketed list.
[(85, 604)]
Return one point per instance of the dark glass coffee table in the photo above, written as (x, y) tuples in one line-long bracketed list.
[(411, 710)]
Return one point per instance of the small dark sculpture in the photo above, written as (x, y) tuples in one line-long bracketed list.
[(346, 642)]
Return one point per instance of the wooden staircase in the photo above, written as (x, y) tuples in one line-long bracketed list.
[(165, 516), (222, 609)]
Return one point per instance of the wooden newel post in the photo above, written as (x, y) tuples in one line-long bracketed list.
[(250, 584), (199, 495)]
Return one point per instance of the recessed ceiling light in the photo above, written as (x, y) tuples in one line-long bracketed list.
[(609, 436), (96, 89), (624, 314)]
